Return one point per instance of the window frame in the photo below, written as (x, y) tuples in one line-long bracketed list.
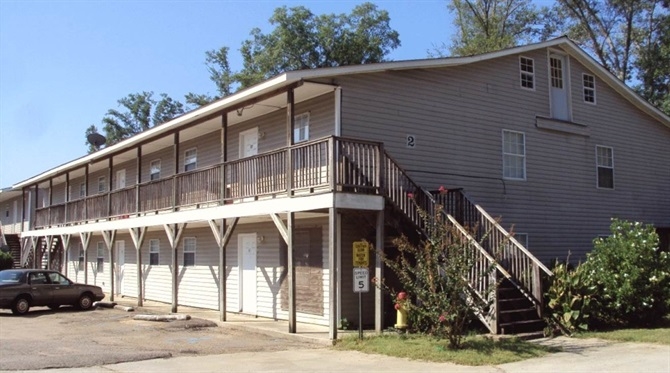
[(506, 156), (82, 190), (304, 124), (586, 89), (188, 249), (151, 168), (100, 259), (195, 159), (524, 74), (610, 157), (154, 253)]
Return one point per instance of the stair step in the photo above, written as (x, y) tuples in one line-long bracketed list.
[(524, 326)]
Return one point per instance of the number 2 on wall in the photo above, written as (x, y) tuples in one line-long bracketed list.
[(411, 141)]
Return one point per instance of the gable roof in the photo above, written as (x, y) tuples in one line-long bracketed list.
[(293, 77)]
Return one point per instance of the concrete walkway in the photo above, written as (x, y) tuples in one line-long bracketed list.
[(578, 355)]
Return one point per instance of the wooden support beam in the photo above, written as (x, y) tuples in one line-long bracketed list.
[(283, 230), (85, 240), (222, 234), (49, 241), (174, 233), (65, 238), (137, 235), (290, 125), (33, 241), (109, 237), (290, 217), (379, 273), (332, 273)]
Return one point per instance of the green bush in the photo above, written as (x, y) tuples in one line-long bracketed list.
[(569, 298), (6, 260), (630, 275)]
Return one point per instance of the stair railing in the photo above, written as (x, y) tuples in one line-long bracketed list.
[(508, 252)]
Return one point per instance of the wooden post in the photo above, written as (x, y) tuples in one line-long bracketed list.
[(67, 197), (290, 217), (332, 272), (137, 235), (379, 273), (176, 171), (139, 179), (109, 188), (85, 240), (85, 194), (290, 125)]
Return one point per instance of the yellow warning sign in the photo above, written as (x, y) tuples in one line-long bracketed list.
[(361, 254)]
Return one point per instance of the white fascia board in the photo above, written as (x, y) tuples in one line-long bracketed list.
[(236, 210)]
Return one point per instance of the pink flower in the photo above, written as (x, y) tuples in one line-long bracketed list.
[(410, 195), (442, 318), (397, 306), (442, 189)]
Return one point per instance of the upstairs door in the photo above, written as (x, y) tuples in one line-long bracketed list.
[(559, 87), (121, 179), (247, 169)]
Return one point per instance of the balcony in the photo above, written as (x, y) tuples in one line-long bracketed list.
[(320, 166)]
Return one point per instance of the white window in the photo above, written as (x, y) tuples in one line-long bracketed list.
[(527, 71), (190, 159), (514, 155), (155, 170), (154, 251), (605, 167), (102, 184), (589, 88), (100, 265), (301, 128), (556, 69), (82, 190), (189, 251)]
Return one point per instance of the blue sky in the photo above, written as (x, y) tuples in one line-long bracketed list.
[(63, 64)]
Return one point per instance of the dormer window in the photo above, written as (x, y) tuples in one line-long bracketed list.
[(589, 82)]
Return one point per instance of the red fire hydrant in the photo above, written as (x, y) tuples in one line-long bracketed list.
[(401, 311)]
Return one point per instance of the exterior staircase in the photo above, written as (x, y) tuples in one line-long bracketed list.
[(14, 243), (510, 301)]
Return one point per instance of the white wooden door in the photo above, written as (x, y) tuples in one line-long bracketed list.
[(560, 104), (120, 265), (247, 176), (121, 179), (247, 263)]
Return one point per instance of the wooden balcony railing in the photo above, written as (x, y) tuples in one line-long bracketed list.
[(319, 165)]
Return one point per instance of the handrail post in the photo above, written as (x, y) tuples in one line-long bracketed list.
[(332, 174), (379, 165)]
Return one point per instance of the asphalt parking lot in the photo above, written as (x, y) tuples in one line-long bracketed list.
[(66, 338)]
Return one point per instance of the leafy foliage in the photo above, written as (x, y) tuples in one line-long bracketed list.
[(138, 112), (628, 37), (490, 25), (302, 40), (569, 298), (434, 275), (630, 274), (6, 261)]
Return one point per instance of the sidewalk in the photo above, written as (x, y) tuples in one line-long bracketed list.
[(309, 332)]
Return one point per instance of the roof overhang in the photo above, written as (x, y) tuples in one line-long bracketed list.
[(303, 77)]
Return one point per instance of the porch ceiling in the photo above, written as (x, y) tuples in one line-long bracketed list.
[(278, 102)]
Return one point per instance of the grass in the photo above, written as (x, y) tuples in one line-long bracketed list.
[(659, 334), (476, 350)]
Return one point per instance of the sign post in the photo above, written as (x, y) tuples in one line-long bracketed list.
[(361, 255)]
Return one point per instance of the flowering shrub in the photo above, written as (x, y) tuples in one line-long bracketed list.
[(631, 275), (435, 273)]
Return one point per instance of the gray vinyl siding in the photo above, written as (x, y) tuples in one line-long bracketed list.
[(208, 150), (10, 217), (157, 279), (272, 127), (131, 173), (166, 157), (457, 116)]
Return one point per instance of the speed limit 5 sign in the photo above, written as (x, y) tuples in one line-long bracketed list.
[(361, 280)]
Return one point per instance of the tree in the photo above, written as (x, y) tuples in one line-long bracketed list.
[(302, 40), (139, 112), (490, 25), (653, 63)]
